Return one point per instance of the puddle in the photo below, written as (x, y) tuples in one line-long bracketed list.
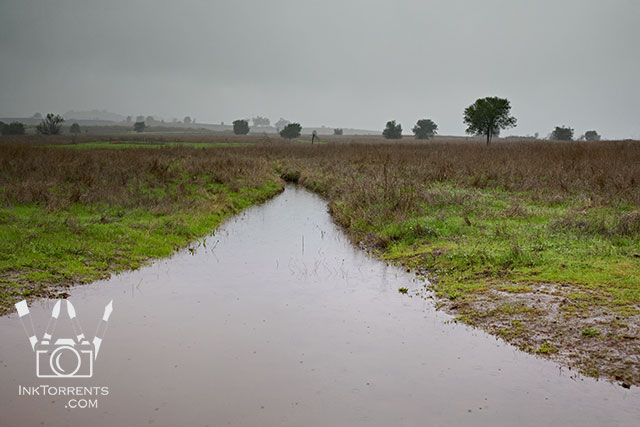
[(279, 320)]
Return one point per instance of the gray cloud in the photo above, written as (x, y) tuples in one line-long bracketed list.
[(335, 62)]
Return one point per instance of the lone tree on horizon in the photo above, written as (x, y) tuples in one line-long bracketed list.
[(562, 133), (50, 125), (139, 126), (425, 129), (487, 116), (291, 131), (240, 127), (392, 130), (591, 135)]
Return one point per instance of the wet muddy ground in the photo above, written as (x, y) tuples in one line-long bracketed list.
[(278, 319), (549, 321)]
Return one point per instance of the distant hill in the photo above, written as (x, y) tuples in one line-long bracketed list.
[(104, 120), (94, 115)]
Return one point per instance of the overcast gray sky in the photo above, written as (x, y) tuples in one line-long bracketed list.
[(340, 63)]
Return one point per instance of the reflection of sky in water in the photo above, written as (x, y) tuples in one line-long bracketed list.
[(279, 320)]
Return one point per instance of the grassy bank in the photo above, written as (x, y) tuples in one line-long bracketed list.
[(536, 242), (74, 216)]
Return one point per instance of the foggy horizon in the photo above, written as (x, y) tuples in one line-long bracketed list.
[(347, 64)]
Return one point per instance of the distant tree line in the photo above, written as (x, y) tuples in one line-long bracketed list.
[(285, 128), (13, 128), (50, 125), (565, 133), (485, 117)]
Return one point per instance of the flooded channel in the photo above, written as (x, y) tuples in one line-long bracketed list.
[(279, 320)]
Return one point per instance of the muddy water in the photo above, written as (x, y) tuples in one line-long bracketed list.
[(279, 320)]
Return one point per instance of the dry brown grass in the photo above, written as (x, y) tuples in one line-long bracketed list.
[(368, 169), (606, 172), (137, 137), (131, 178)]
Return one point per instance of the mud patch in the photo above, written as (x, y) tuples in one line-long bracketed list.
[(557, 322)]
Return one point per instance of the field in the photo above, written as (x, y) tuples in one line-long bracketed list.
[(537, 242), (117, 145), (72, 216)]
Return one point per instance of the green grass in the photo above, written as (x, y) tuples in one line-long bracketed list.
[(546, 348), (41, 248), (148, 144), (476, 239), (590, 332), (534, 272)]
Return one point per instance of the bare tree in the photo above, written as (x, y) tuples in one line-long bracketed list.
[(50, 125)]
